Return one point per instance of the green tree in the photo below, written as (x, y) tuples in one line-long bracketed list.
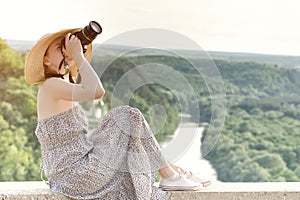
[(19, 149)]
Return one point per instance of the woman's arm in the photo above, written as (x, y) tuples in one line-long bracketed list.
[(90, 87)]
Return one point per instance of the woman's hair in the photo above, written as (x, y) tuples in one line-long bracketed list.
[(48, 73)]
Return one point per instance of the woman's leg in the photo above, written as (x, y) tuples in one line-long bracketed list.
[(127, 144), (169, 170)]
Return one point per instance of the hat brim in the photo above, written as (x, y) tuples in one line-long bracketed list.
[(34, 66)]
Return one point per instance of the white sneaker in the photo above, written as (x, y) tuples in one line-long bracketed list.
[(192, 177), (181, 184)]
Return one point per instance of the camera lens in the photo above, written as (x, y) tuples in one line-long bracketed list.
[(89, 33), (96, 27)]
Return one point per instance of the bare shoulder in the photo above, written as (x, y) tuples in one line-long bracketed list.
[(52, 83), (47, 104), (58, 88)]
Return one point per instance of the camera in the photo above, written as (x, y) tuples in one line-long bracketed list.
[(87, 34)]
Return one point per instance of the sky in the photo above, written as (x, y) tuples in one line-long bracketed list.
[(253, 26)]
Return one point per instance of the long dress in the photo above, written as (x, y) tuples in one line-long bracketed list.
[(118, 160)]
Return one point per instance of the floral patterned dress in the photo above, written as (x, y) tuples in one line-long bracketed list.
[(118, 160)]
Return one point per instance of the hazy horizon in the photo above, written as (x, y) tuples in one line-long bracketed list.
[(17, 42), (261, 27)]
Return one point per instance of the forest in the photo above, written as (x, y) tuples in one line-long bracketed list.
[(258, 141)]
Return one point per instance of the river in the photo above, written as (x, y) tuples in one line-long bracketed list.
[(183, 149)]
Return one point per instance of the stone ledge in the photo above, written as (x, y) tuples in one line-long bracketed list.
[(33, 190), (37, 190), (243, 191)]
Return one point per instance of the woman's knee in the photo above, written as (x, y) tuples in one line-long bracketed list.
[(126, 109)]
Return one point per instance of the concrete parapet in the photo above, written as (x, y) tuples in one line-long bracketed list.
[(36, 190), (243, 191)]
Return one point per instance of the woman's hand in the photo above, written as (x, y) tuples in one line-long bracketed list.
[(73, 49)]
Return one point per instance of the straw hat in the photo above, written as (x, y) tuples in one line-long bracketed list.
[(34, 67)]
